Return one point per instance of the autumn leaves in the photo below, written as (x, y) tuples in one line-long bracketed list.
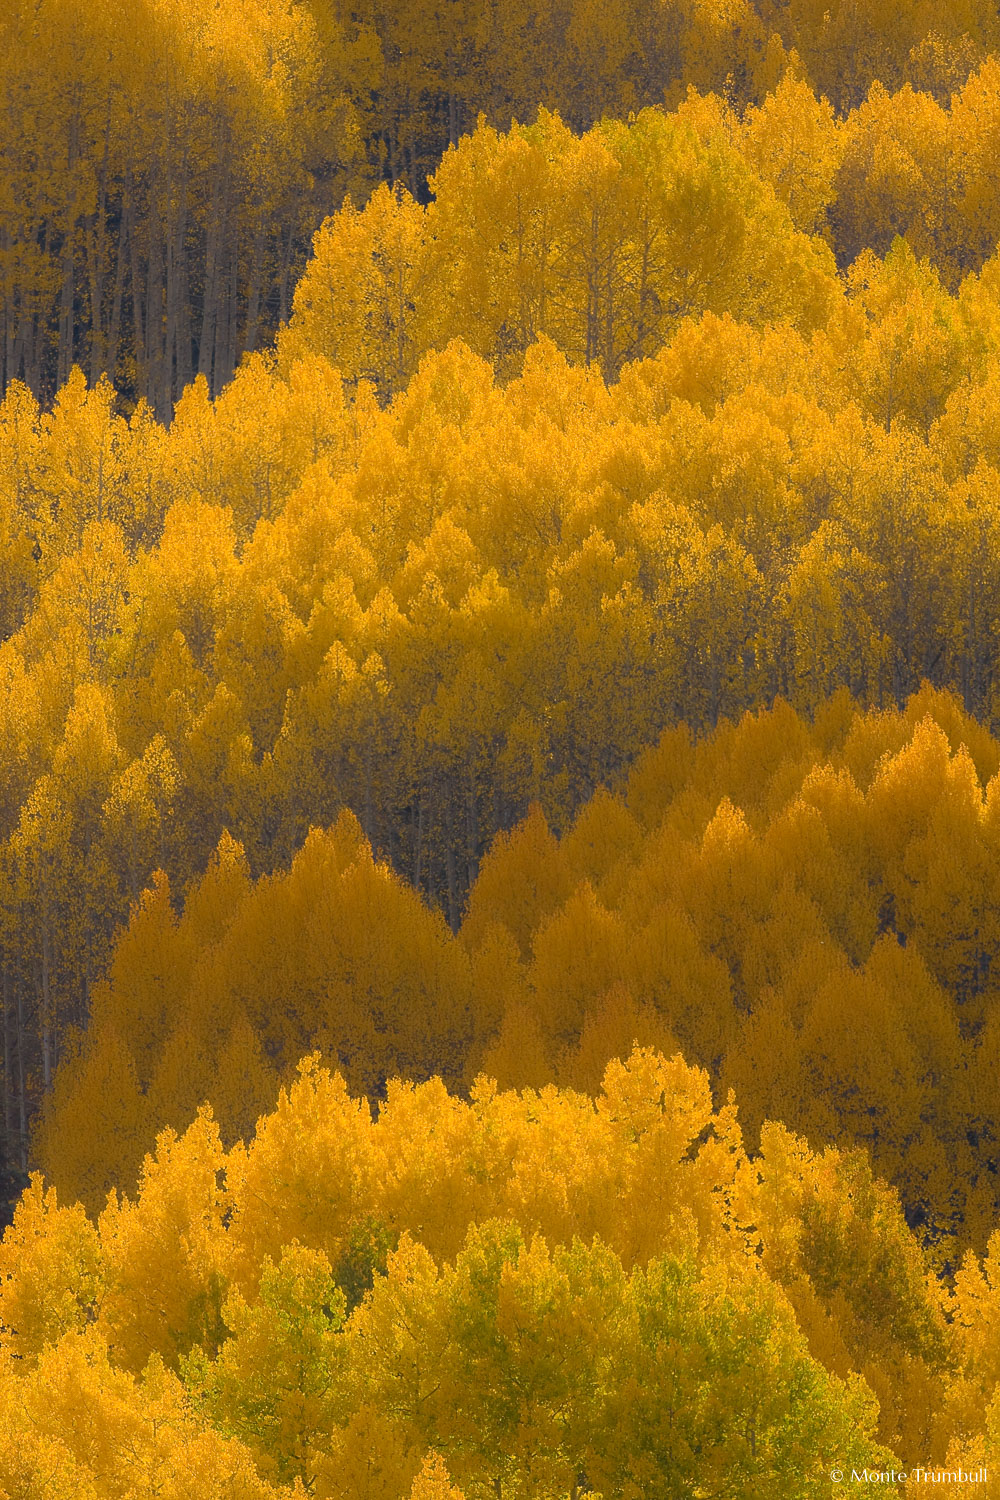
[(574, 640), (807, 911), (550, 1285)]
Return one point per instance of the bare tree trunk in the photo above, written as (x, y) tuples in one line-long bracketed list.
[(115, 321), (182, 314), (471, 834), (177, 357), (232, 320), (418, 844), (7, 311), (46, 1009), (96, 259), (154, 301), (22, 1098), (137, 286), (7, 1080), (284, 281), (251, 327), (209, 305), (64, 361)]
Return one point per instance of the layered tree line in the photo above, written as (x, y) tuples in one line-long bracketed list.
[(164, 163), (808, 910), (438, 585), (513, 1294), (570, 639)]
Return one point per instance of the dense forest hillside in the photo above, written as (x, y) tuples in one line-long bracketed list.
[(550, 1293), (809, 911), (164, 163), (475, 597), (499, 760)]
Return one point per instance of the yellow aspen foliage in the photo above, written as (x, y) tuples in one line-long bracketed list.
[(185, 581), (659, 775), (914, 796), (976, 1324), (854, 892), (577, 952), (231, 712), (78, 1420), (160, 182), (51, 1273), (611, 1028), (975, 117), (793, 141), (373, 1456), (519, 1055), (164, 1303), (890, 1108), (962, 434), (137, 812), (369, 300), (433, 1481), (521, 882), (19, 443), (479, 701), (86, 593), (892, 179), (367, 310), (245, 1087), (660, 1174), (81, 475), (151, 966), (100, 1081), (498, 980), (669, 972), (819, 1215), (306, 1175), (424, 1144), (976, 1090), (274, 1384), (838, 872), (913, 357), (510, 1243), (766, 1052)]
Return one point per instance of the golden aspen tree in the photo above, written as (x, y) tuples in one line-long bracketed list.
[(511, 1251), (912, 357), (433, 1482), (522, 882), (78, 1420), (578, 954), (136, 815), (51, 1273), (365, 310), (19, 444), (492, 587), (611, 1027), (289, 1336), (892, 179), (570, 274), (518, 1055), (306, 1176), (974, 123), (793, 141), (496, 222), (829, 593), (101, 1081), (165, 1303)]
